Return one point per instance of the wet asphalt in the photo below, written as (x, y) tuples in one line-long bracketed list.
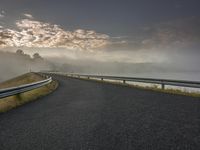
[(88, 115)]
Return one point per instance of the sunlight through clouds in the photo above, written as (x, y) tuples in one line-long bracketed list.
[(32, 33)]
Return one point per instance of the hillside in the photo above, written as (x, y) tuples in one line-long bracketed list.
[(20, 99), (15, 64)]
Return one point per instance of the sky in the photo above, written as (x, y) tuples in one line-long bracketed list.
[(127, 31)]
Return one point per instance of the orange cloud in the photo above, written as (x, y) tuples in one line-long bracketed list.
[(32, 33)]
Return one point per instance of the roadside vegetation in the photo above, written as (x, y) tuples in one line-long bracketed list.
[(20, 99)]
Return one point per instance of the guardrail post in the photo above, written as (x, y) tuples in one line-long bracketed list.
[(162, 86), (124, 81)]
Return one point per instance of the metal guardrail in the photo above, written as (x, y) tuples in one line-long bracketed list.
[(162, 82), (23, 88)]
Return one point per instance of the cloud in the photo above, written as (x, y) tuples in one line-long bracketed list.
[(32, 33), (28, 16), (180, 33), (177, 34), (2, 14), (171, 41)]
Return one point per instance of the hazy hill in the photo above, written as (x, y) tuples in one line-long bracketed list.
[(14, 64)]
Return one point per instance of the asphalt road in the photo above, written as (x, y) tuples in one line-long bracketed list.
[(86, 115)]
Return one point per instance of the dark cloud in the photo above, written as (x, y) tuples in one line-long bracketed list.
[(178, 33)]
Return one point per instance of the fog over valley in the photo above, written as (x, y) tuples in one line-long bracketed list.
[(19, 62)]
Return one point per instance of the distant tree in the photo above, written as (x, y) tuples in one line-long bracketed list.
[(20, 52), (37, 56)]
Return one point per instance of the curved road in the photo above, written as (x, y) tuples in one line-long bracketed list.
[(86, 115)]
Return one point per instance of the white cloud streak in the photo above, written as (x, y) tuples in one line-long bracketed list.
[(28, 16)]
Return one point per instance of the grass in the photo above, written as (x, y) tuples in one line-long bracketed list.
[(11, 102), (152, 88)]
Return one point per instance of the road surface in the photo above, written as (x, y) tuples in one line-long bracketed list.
[(86, 115)]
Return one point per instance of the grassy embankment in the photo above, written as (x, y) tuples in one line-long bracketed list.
[(153, 87), (20, 99)]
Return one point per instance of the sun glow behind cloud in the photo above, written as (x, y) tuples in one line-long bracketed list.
[(32, 33)]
